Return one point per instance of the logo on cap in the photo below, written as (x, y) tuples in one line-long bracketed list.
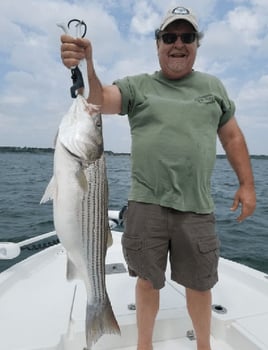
[(180, 11)]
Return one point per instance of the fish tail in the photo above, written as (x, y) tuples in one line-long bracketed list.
[(100, 319)]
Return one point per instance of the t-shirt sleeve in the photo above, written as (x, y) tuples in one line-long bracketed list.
[(226, 104), (228, 109), (127, 93)]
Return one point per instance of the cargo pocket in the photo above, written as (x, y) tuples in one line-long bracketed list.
[(132, 249), (209, 256)]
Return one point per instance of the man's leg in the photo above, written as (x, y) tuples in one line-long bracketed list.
[(147, 305), (199, 308)]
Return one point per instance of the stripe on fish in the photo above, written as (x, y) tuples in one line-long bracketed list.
[(96, 232)]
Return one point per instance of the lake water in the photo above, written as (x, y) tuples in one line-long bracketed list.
[(24, 176)]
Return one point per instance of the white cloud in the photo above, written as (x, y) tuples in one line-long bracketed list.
[(145, 18), (247, 25), (253, 101)]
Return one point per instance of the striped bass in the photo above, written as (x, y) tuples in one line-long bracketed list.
[(79, 190)]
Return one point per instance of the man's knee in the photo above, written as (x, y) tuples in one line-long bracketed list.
[(144, 284), (194, 297)]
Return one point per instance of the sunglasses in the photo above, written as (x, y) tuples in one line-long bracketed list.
[(171, 38)]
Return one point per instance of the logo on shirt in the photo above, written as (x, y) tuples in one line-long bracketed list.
[(180, 11)]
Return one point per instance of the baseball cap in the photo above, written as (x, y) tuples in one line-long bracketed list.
[(179, 12)]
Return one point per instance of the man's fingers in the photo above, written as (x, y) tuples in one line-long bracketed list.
[(247, 209), (235, 204)]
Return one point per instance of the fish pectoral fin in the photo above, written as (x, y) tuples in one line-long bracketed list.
[(109, 238), (71, 270), (50, 192), (82, 180)]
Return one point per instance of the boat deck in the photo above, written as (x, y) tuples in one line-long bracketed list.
[(40, 310)]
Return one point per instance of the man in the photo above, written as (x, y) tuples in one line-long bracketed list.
[(175, 115)]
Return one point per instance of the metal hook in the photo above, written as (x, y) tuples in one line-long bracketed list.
[(76, 76), (79, 25)]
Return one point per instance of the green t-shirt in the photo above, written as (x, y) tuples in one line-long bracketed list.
[(174, 127)]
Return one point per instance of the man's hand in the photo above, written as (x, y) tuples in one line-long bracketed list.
[(245, 196), (73, 50)]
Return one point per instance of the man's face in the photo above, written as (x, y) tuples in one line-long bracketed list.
[(177, 59)]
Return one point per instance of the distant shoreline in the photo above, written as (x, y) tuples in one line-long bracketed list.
[(14, 149), (38, 150)]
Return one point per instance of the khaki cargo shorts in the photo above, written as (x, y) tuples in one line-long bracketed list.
[(154, 233)]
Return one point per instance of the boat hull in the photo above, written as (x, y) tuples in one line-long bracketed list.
[(41, 310)]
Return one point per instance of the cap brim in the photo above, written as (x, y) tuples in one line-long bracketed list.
[(176, 18)]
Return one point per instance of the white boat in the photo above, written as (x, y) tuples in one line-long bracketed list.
[(40, 310)]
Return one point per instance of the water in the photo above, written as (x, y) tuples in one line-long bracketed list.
[(25, 174)]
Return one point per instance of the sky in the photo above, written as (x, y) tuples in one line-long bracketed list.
[(35, 85)]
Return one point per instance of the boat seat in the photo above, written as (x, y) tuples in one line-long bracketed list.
[(246, 319), (249, 333)]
